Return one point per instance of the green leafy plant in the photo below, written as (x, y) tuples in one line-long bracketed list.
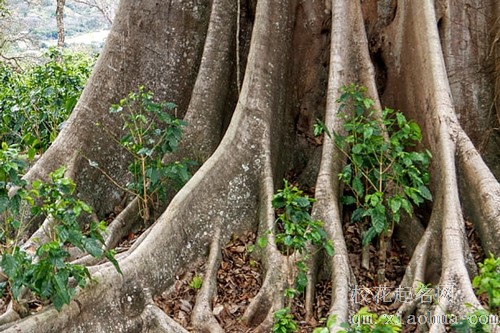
[(296, 230), (488, 281), (151, 133), (284, 322), (384, 174), (196, 282), (12, 165), (46, 273), (365, 321), (332, 319), (477, 321), (36, 101)]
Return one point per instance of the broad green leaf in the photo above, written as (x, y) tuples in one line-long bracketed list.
[(368, 103), (357, 148), (321, 330), (328, 246), (332, 319), (9, 265), (368, 236), (358, 214), (357, 186), (401, 119), (302, 202), (416, 133), (425, 193), (368, 132), (110, 255), (347, 200), (59, 173), (16, 289), (59, 299), (395, 204), (92, 247), (406, 206), (378, 218), (278, 201)]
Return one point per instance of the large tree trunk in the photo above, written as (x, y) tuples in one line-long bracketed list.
[(292, 57)]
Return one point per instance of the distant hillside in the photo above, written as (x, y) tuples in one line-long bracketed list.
[(36, 18)]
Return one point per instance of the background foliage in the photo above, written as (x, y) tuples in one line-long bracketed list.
[(36, 101)]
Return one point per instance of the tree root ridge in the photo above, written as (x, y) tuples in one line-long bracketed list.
[(270, 296), (211, 89), (158, 322), (202, 316), (443, 135), (480, 193)]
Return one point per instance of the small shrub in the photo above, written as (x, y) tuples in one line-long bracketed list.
[(488, 281), (36, 101), (284, 322), (46, 273), (151, 133), (196, 282), (298, 230), (384, 174)]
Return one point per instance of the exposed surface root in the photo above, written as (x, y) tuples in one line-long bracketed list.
[(9, 315), (422, 267), (123, 224), (270, 296), (481, 192), (202, 317), (328, 188), (312, 279), (210, 100), (440, 125), (159, 322)]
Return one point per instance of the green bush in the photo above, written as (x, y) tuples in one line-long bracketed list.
[(284, 322), (46, 273), (35, 102), (488, 281), (385, 174), (151, 132), (296, 229)]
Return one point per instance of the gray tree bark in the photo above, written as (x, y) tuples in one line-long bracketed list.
[(421, 57), (60, 22)]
